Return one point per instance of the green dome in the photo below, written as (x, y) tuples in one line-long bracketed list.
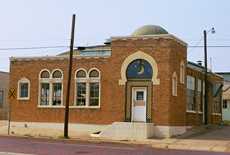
[(149, 30)]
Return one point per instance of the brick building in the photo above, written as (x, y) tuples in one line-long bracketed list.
[(4, 84), (226, 96), (137, 81)]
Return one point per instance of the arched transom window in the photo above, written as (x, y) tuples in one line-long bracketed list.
[(50, 88), (87, 88), (139, 69)]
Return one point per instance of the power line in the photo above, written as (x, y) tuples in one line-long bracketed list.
[(30, 48), (50, 47), (210, 46)]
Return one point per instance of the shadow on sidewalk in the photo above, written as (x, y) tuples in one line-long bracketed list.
[(207, 133)]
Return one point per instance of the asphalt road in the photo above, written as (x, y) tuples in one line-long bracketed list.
[(59, 147)]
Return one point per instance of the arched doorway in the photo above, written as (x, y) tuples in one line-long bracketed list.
[(139, 75)]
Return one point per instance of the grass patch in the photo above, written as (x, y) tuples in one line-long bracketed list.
[(227, 123), (63, 137)]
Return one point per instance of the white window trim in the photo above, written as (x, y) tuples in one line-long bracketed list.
[(174, 84), (23, 80), (194, 80), (87, 80), (190, 111), (50, 80), (219, 114)]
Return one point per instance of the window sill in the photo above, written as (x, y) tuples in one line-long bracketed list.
[(200, 112), (44, 106), (188, 111), (217, 114), (84, 107), (24, 99)]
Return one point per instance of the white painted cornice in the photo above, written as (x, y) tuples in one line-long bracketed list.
[(157, 36), (53, 58)]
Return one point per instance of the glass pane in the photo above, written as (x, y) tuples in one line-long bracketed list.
[(94, 73), (190, 100), (94, 94), (190, 82), (45, 74), (57, 74), (24, 90), (57, 91), (45, 91), (225, 104), (199, 85), (81, 74), (81, 94), (139, 95), (1, 98)]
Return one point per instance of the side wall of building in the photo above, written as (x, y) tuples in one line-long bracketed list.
[(196, 117), (4, 84)]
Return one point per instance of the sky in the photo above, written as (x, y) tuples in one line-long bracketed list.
[(30, 23)]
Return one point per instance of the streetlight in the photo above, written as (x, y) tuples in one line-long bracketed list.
[(212, 30)]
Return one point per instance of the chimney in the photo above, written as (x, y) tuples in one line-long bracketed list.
[(199, 62)]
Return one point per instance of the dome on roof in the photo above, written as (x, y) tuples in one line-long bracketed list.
[(149, 30)]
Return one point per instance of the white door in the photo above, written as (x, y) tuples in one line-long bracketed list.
[(139, 104)]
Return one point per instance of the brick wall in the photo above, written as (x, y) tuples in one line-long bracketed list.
[(4, 84), (196, 118)]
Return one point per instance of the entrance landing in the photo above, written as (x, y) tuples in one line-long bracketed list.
[(128, 131)]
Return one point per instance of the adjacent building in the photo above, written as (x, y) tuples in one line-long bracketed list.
[(139, 85), (226, 95), (4, 84)]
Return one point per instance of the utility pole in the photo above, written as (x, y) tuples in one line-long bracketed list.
[(66, 123), (205, 79)]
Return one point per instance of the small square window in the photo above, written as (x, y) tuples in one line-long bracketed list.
[(139, 95), (23, 89)]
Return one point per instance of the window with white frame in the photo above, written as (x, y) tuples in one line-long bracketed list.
[(81, 81), (217, 104), (1, 98), (51, 88), (225, 104), (190, 93), (199, 95), (182, 72), (217, 99), (87, 88), (174, 84), (23, 89)]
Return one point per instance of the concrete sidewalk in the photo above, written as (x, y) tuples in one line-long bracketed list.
[(217, 139)]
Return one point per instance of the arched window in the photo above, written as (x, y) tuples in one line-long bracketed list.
[(174, 84), (50, 89), (57, 87), (94, 87), (139, 69), (81, 82), (182, 72), (87, 88), (24, 89)]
